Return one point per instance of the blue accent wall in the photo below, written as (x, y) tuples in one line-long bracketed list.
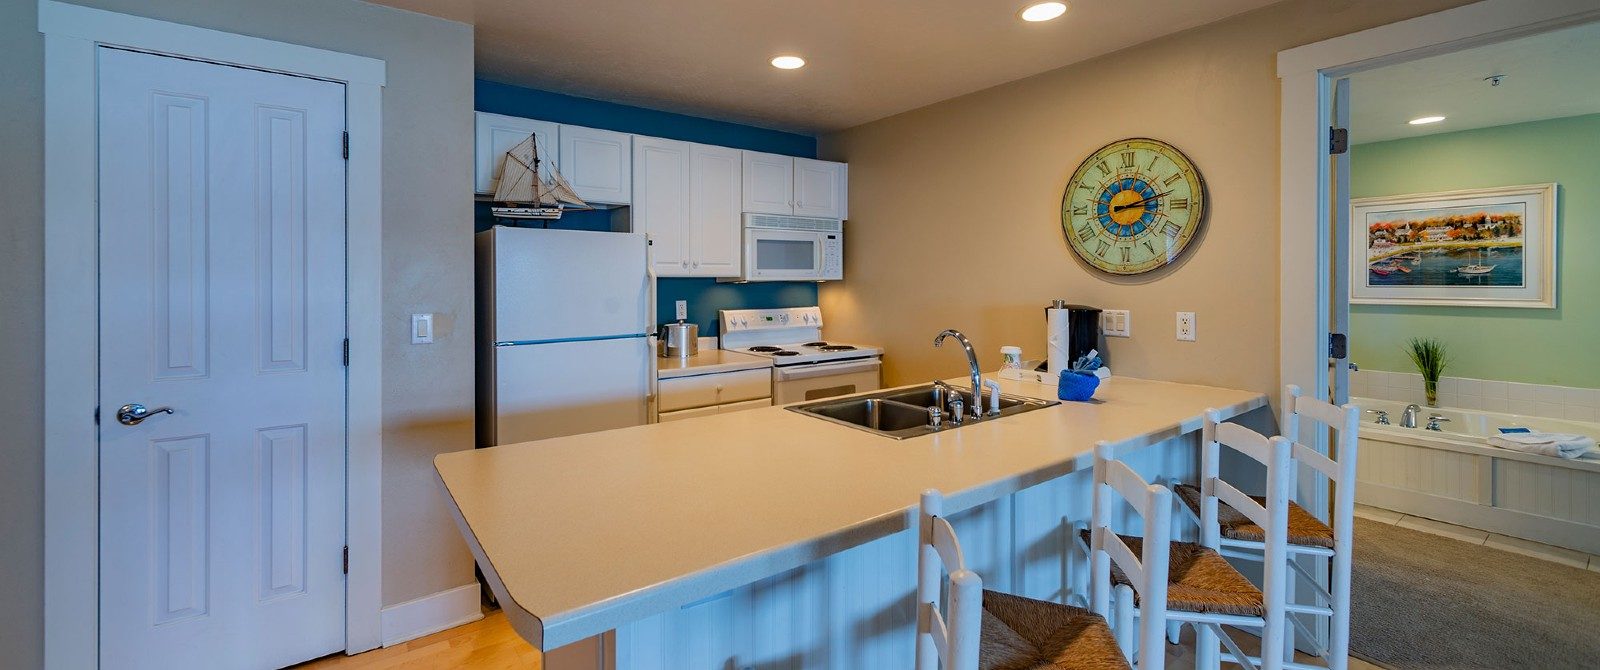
[(705, 296)]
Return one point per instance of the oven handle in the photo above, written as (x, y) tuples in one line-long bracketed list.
[(784, 374)]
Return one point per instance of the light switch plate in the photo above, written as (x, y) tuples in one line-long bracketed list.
[(683, 310), (1186, 326), (422, 329), (1117, 323)]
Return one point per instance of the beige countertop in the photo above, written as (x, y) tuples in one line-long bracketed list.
[(579, 535), (708, 361)]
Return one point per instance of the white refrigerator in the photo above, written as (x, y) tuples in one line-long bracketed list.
[(563, 332)]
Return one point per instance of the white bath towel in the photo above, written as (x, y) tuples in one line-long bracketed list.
[(1563, 445)]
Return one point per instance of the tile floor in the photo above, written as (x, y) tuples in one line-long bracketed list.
[(1546, 552)]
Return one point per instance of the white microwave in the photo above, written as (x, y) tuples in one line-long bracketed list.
[(792, 248)]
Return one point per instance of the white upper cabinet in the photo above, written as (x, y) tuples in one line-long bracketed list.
[(661, 203), (768, 183), (496, 134), (775, 184), (819, 188), (715, 199), (596, 163)]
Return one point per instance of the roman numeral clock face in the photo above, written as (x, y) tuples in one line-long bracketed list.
[(1133, 206)]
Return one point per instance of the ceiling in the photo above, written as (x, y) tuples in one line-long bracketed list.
[(1547, 76), (866, 59)]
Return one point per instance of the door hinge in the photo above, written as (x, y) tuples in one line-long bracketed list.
[(347, 352), (1338, 346), (1338, 141), (96, 416), (345, 145), (347, 559)]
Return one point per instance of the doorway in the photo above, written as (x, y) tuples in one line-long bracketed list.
[(222, 381)]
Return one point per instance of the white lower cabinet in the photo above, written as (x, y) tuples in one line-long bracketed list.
[(716, 393)]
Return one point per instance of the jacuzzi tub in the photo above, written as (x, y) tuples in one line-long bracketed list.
[(1454, 475)]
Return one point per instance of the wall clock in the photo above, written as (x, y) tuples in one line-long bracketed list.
[(1133, 206)]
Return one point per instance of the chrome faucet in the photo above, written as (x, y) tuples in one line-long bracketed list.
[(953, 400), (972, 361), (1409, 419)]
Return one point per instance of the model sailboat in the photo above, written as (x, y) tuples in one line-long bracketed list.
[(525, 194)]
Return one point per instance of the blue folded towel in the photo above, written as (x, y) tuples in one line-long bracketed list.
[(1560, 445), (1077, 386)]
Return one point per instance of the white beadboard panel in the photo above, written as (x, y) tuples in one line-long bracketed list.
[(1562, 493), (1431, 471)]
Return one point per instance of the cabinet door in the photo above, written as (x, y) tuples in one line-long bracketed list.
[(715, 197), (661, 202), (495, 134), (768, 183), (819, 188), (596, 163)]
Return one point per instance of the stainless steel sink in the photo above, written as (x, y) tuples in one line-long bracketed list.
[(903, 413)]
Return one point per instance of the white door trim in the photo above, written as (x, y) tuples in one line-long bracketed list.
[(1307, 74), (72, 33)]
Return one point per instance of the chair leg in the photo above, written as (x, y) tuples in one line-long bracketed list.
[(1207, 653), (1122, 626), (1174, 631)]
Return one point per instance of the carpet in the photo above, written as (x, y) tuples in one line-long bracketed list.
[(1425, 602)]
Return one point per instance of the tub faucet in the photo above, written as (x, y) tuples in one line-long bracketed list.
[(1383, 416), (1409, 419), (1433, 422), (972, 361)]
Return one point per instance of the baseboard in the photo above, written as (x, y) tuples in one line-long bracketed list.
[(430, 614)]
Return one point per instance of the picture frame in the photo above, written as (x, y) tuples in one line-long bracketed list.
[(1488, 247)]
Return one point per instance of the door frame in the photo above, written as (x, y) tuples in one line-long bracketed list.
[(1307, 77), (72, 35)]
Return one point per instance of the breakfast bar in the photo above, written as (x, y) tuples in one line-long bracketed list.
[(771, 538)]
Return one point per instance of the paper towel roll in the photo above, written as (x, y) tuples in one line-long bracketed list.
[(1055, 340)]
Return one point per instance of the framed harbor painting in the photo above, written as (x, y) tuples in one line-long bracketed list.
[(1492, 247)]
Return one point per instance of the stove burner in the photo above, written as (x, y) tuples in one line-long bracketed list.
[(764, 349), (837, 347), (785, 353), (815, 344)]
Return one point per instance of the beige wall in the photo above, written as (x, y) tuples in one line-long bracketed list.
[(955, 207), (427, 267)]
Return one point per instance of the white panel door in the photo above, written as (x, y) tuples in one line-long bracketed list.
[(567, 388), (222, 298), (596, 163), (768, 183), (567, 284), (819, 188), (661, 203), (715, 196), (495, 134)]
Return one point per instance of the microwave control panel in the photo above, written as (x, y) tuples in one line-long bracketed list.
[(833, 256)]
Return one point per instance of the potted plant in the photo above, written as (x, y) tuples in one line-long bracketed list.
[(1430, 356)]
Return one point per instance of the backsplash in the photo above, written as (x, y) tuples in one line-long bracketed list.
[(1554, 402)]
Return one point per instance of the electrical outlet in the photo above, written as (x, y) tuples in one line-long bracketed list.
[(1116, 323), (683, 310), (1186, 326)]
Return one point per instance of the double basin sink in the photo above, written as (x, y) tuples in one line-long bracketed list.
[(903, 413)]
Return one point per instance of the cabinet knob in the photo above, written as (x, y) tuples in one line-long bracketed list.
[(686, 265), (697, 265)]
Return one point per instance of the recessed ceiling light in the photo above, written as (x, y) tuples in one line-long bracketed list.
[(1043, 11), (788, 62), (1425, 120)]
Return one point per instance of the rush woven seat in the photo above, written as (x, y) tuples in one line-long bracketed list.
[(1304, 529), (1200, 580), (1026, 634)]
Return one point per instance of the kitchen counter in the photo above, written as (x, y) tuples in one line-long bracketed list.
[(584, 534), (708, 361)]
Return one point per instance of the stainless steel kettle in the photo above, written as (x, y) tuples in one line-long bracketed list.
[(678, 340)]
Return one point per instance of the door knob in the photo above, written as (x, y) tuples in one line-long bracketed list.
[(132, 414)]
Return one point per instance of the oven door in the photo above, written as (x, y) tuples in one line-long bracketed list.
[(782, 255), (798, 383)]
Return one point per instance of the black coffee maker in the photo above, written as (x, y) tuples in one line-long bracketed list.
[(1083, 331)]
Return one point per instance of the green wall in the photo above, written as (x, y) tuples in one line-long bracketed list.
[(1539, 346)]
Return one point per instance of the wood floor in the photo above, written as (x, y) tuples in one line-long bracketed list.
[(490, 644)]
